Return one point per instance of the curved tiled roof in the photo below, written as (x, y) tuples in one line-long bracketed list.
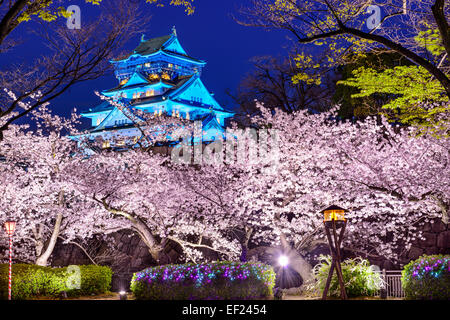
[(152, 45), (104, 106)]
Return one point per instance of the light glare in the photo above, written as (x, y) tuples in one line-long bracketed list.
[(283, 261)]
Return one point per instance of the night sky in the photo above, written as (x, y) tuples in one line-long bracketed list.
[(209, 34)]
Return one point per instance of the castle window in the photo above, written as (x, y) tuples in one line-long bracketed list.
[(122, 121), (165, 76), (106, 144), (170, 65), (123, 82), (147, 65)]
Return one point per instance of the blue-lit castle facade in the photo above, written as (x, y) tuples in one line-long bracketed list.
[(161, 78)]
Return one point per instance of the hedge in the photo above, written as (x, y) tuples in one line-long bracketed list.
[(427, 278), (207, 281), (29, 281)]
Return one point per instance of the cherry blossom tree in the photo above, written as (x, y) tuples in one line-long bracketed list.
[(391, 180), (140, 192), (243, 193), (34, 187)]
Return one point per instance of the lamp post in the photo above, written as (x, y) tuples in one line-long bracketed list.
[(333, 220), (10, 227)]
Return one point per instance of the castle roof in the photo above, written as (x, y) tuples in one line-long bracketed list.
[(103, 107), (168, 44), (152, 45)]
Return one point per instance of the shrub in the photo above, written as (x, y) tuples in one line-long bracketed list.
[(427, 278), (359, 277), (29, 281), (217, 280)]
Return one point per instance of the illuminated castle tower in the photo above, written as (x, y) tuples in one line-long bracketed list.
[(158, 77)]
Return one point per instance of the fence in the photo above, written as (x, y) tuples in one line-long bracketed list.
[(392, 284)]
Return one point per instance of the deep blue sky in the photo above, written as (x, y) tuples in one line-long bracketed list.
[(209, 34)]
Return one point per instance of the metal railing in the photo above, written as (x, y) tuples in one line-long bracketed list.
[(392, 284)]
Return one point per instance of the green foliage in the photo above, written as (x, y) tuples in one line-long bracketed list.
[(29, 281), (46, 11), (430, 40), (410, 94), (218, 280), (362, 106), (359, 278), (427, 278), (408, 87)]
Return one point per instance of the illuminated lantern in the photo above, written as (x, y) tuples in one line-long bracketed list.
[(10, 227), (334, 219), (334, 213)]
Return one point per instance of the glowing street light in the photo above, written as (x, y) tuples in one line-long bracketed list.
[(334, 219), (10, 227), (283, 260)]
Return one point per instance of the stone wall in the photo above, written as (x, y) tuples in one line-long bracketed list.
[(437, 241)]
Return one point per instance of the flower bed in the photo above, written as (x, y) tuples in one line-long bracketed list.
[(427, 278), (31, 280), (217, 280)]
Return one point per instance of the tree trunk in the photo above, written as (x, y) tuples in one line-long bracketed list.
[(42, 260), (154, 247), (244, 244)]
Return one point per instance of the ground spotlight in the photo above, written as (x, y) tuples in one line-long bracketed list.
[(123, 295), (283, 260)]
